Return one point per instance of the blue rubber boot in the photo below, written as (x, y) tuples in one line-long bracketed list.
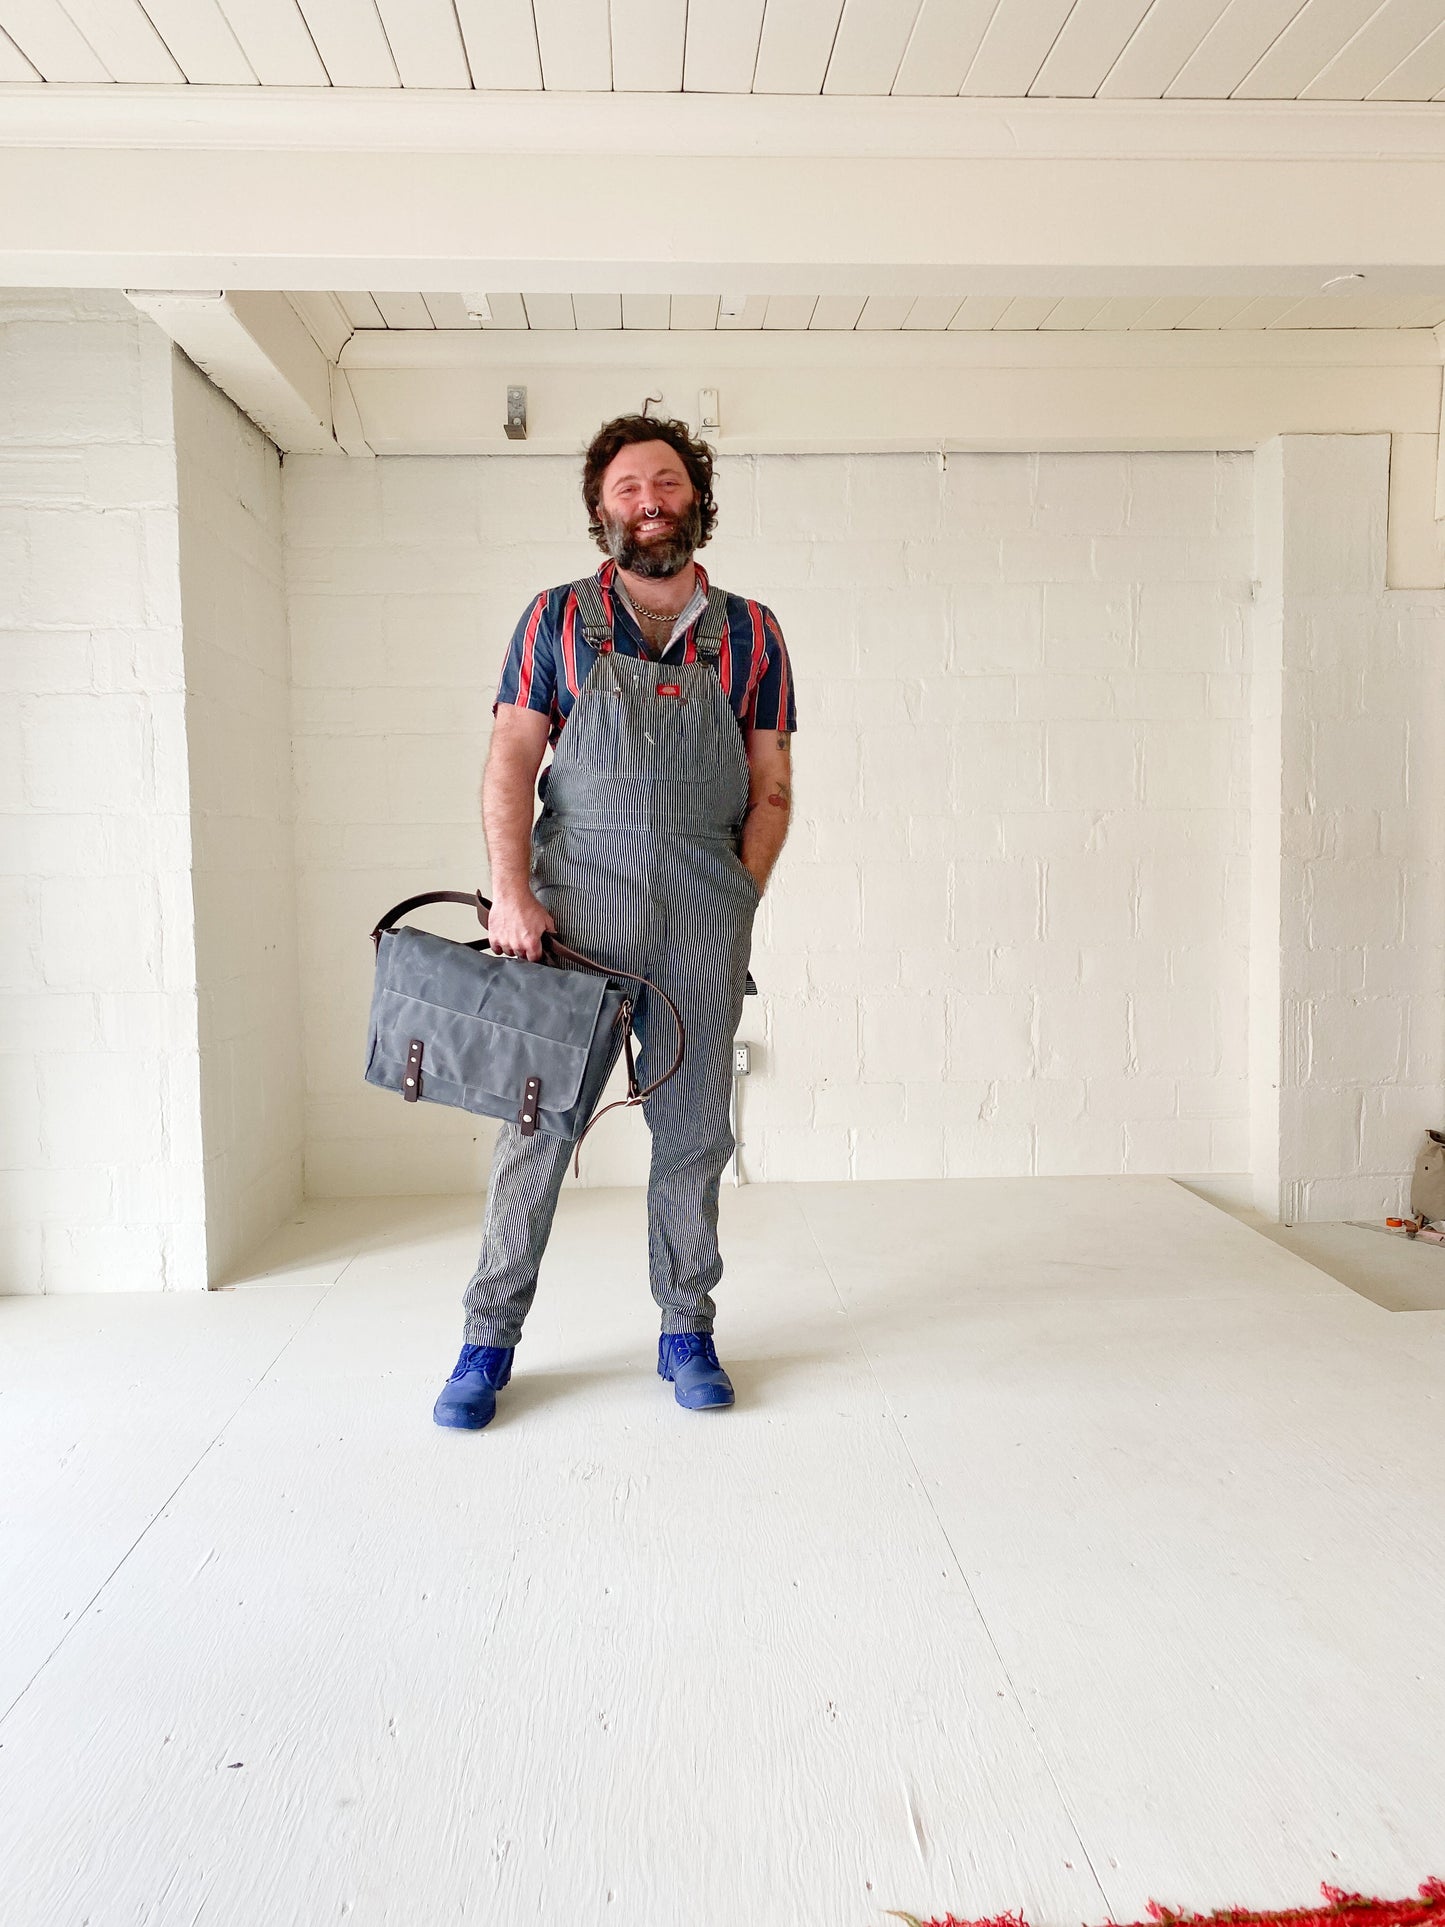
[(689, 1359), (469, 1397)]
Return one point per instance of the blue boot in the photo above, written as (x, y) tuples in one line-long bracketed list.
[(469, 1397), (689, 1359)]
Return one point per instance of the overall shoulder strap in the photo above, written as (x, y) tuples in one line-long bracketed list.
[(595, 627), (713, 625)]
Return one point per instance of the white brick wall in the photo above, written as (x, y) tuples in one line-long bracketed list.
[(238, 728), (1009, 932), (100, 1172), (1348, 941)]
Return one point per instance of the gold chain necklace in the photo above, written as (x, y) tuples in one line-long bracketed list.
[(653, 615)]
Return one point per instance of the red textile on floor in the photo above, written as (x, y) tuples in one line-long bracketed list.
[(1357, 1910)]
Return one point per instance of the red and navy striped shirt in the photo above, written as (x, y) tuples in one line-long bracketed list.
[(549, 659)]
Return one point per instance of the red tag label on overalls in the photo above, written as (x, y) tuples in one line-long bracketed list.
[(669, 689)]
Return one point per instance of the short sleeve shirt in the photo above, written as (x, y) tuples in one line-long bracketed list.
[(548, 659)]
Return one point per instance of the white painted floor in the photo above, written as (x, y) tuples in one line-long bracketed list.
[(1071, 1544)]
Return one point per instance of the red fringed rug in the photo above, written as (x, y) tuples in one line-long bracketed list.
[(1355, 1910)]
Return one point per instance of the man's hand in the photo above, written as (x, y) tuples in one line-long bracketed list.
[(515, 925)]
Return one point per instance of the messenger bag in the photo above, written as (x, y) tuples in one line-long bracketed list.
[(453, 1023)]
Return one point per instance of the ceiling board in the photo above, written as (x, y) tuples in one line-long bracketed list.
[(1387, 38), (1216, 311), (1164, 39), (576, 44), (1420, 76), (646, 311), (274, 38), (884, 311), (351, 40), (361, 310), (448, 311), (932, 311), (1306, 47), (751, 314), (403, 310), (1015, 46), (201, 42), (790, 311), (647, 45), (1167, 311), (833, 312), (508, 311), (124, 41), (609, 313), (1263, 312), (501, 43), (694, 310), (426, 43), (1124, 313), (1080, 311), (552, 311), (1089, 43), (872, 35), (796, 42), (50, 40), (722, 45), (979, 311), (1026, 312), (13, 64), (603, 311), (946, 36), (1241, 35)]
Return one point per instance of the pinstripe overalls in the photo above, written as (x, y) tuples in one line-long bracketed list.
[(635, 858)]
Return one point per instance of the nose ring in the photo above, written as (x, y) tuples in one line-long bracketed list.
[(652, 514)]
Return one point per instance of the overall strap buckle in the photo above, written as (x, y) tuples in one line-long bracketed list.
[(596, 629)]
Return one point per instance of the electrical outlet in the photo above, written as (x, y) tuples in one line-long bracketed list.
[(742, 1060)]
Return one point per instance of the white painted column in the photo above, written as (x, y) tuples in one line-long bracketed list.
[(150, 1113), (99, 1056), (1347, 1033)]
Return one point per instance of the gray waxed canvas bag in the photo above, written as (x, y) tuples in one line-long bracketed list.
[(452, 1023)]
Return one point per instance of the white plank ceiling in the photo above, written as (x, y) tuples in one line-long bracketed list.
[(1328, 50), (887, 312)]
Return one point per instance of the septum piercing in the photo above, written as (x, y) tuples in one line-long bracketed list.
[(652, 514)]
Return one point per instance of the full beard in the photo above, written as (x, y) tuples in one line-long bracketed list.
[(655, 557)]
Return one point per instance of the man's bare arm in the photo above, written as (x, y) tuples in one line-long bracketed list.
[(519, 740), (770, 804)]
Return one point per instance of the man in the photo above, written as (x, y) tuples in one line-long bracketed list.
[(669, 708)]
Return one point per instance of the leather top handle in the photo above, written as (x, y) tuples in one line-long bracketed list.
[(553, 946)]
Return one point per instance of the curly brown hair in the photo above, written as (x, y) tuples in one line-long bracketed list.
[(619, 433)]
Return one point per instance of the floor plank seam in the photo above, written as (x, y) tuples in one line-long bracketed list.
[(170, 1498), (943, 1533)]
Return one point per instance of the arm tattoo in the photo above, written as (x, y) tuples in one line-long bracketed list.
[(785, 741), (779, 799)]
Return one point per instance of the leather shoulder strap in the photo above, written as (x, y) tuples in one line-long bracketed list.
[(595, 626)]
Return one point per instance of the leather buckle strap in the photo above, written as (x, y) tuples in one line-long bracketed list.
[(411, 1089)]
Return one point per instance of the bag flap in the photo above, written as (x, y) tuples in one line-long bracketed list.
[(545, 1002), (476, 1055)]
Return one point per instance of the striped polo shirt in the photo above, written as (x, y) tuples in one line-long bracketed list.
[(548, 659)]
